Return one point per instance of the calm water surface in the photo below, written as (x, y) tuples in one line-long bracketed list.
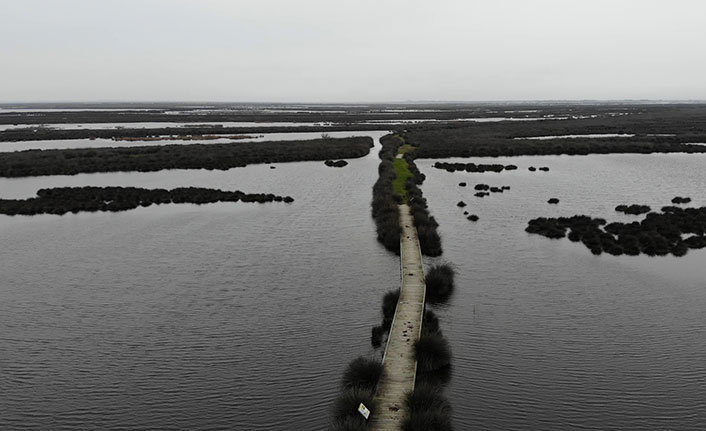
[(547, 336), (223, 316), (243, 316)]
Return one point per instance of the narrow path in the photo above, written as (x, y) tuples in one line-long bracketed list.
[(399, 365)]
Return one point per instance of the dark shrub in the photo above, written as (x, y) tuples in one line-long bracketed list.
[(362, 373), (428, 410), (336, 163), (389, 303), (346, 404), (681, 200), (633, 209), (349, 423), (430, 323), (440, 283), (432, 353), (377, 335), (429, 239)]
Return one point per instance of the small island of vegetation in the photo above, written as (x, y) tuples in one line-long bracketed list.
[(472, 167), (633, 209), (675, 230), (336, 163), (64, 200)]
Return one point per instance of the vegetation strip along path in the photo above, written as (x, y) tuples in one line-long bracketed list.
[(399, 363)]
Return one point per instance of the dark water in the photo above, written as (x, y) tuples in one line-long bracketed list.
[(547, 336), (243, 316), (224, 316)]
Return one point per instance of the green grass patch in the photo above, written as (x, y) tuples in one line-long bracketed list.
[(406, 148), (403, 173)]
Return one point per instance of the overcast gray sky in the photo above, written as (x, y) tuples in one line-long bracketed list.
[(351, 51)]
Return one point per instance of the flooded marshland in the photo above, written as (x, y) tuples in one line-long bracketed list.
[(244, 316)]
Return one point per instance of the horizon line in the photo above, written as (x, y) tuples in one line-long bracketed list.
[(352, 103)]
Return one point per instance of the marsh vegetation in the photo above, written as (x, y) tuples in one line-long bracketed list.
[(440, 283), (675, 230), (398, 183), (159, 157), (633, 209), (336, 163), (62, 200), (472, 167)]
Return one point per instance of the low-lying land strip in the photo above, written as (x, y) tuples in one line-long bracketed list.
[(45, 134), (196, 156), (399, 363), (398, 183), (651, 130), (62, 200)]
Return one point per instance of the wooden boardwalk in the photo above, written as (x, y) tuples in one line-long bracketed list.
[(399, 365)]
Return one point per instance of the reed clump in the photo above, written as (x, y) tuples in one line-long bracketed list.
[(362, 373), (440, 283), (428, 409), (432, 352)]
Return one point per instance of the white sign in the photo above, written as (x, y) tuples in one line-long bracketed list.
[(364, 410)]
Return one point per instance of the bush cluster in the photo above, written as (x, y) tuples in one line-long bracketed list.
[(658, 234), (633, 209), (680, 200), (336, 163), (389, 306), (426, 224), (472, 167), (345, 415), (385, 201), (428, 410), (440, 283)]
